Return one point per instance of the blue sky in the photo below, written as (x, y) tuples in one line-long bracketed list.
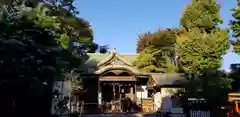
[(118, 22)]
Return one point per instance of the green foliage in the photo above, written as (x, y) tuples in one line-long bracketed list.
[(208, 80), (29, 64), (208, 84), (235, 75), (103, 49), (202, 44), (162, 38), (201, 14), (235, 27), (145, 61), (200, 47), (77, 81), (198, 51), (62, 16), (38, 43), (157, 60), (156, 51)]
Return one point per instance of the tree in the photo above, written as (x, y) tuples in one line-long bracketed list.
[(158, 39), (202, 44), (31, 53), (38, 44), (155, 60), (209, 84), (156, 51), (234, 74), (199, 51), (203, 15), (200, 47), (103, 49), (64, 14), (234, 25)]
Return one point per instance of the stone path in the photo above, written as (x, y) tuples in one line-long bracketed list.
[(130, 115), (121, 115)]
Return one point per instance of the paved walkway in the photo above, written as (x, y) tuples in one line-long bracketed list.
[(121, 115), (130, 115)]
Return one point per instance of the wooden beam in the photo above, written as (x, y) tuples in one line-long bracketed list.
[(234, 98), (118, 78), (234, 94)]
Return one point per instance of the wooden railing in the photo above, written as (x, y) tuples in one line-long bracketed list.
[(234, 97), (148, 105)]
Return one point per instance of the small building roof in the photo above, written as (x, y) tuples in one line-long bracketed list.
[(167, 78)]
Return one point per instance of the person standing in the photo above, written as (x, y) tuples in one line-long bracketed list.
[(129, 105), (166, 105)]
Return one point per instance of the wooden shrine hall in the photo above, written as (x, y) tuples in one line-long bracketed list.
[(109, 81)]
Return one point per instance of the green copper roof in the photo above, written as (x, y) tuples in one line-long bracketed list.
[(99, 57), (93, 66)]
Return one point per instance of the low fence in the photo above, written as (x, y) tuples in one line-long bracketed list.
[(117, 107), (198, 108)]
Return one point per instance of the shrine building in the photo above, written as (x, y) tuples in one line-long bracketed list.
[(111, 77)]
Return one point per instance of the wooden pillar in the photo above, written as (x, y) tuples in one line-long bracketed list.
[(114, 93), (99, 93), (135, 92), (132, 91), (77, 103), (114, 96), (120, 97)]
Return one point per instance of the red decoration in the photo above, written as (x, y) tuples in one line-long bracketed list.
[(236, 107)]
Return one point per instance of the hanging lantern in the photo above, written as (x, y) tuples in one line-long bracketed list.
[(122, 90)]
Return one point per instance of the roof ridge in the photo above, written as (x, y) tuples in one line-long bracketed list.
[(110, 53), (127, 54), (99, 53)]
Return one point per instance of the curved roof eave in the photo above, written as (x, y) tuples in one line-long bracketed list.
[(110, 67), (112, 55)]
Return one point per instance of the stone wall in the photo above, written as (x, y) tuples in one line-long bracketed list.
[(156, 103), (63, 90), (163, 100)]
